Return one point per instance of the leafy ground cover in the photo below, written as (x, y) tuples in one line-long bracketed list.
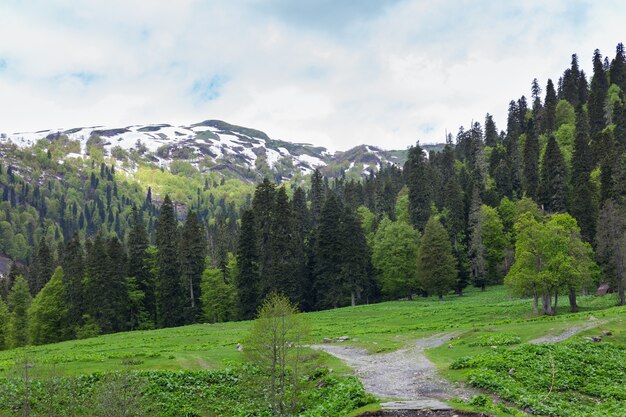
[(478, 321)]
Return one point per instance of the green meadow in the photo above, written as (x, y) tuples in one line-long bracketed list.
[(489, 329)]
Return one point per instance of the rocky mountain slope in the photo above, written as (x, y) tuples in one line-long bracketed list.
[(212, 145)]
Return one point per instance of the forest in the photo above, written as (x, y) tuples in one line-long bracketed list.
[(538, 206)]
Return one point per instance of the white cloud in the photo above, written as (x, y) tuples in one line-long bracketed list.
[(387, 74)]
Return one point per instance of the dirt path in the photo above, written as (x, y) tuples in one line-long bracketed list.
[(569, 332), (406, 374)]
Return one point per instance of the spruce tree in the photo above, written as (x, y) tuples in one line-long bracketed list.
[(584, 203), (356, 267), (317, 196), (19, 303), (531, 162), (328, 254), (549, 109), (116, 289), (553, 185), (617, 73), (420, 195), (476, 246), (491, 133), (192, 252), (138, 243), (170, 290), (436, 266), (247, 280), (42, 267), (263, 207), (597, 97), (73, 264)]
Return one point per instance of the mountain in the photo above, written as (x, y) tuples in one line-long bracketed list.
[(212, 145)]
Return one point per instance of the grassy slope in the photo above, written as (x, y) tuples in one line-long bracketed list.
[(379, 328)]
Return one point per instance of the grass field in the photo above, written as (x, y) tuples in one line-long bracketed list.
[(479, 320)]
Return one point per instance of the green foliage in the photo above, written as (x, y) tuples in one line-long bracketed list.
[(565, 114), (394, 255), (4, 328), (495, 241), (500, 339), (47, 316), (587, 377), (219, 294), (19, 303), (436, 266)]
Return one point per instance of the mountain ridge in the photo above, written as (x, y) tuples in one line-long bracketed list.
[(214, 145)]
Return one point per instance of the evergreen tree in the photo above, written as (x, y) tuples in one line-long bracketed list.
[(317, 196), (138, 243), (247, 279), (170, 290), (192, 252), (491, 133), (476, 246), (420, 195), (263, 208), (611, 245), (597, 97), (584, 203), (553, 185), (43, 266), (73, 267), (4, 324), (617, 73), (47, 316), (531, 162), (549, 109), (570, 83), (494, 241), (329, 290), (19, 303), (436, 266), (116, 288), (356, 267)]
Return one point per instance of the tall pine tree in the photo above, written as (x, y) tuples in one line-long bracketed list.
[(192, 252), (553, 185), (247, 280), (170, 289)]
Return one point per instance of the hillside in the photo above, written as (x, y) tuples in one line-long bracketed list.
[(477, 322), (213, 145)]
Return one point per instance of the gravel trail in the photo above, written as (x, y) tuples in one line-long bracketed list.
[(569, 332), (406, 374)]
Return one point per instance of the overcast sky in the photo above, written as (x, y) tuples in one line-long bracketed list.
[(336, 73)]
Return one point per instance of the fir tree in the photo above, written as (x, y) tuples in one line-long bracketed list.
[(43, 266), (584, 206), (597, 97), (436, 266), (476, 246), (72, 278), (170, 290), (356, 267), (328, 255), (138, 243), (553, 185), (116, 289), (531, 162), (617, 73), (491, 133), (247, 280), (549, 109), (317, 196), (192, 252), (420, 196), (19, 303)]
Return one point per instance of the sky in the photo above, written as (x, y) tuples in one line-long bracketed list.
[(336, 73)]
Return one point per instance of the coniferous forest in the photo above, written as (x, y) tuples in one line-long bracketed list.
[(537, 204)]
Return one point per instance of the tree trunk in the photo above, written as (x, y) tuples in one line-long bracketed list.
[(353, 298), (535, 303), (556, 302), (620, 291), (546, 300), (573, 307), (585, 291)]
